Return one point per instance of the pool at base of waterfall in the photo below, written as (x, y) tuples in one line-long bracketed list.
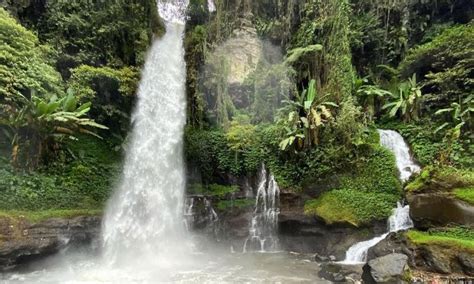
[(216, 267)]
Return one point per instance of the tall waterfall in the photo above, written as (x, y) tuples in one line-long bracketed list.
[(400, 218), (144, 217), (264, 224)]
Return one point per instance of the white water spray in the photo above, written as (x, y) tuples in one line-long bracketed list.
[(144, 217), (264, 224), (393, 141), (400, 218)]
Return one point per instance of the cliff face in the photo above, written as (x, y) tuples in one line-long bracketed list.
[(22, 241)]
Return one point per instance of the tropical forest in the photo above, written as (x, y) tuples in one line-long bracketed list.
[(236, 141)]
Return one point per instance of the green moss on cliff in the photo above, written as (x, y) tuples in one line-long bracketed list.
[(459, 238), (436, 178), (38, 216), (466, 194), (351, 206)]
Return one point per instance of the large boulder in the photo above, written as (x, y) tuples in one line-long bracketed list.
[(439, 209), (339, 272), (390, 268), (22, 241), (302, 233), (393, 243)]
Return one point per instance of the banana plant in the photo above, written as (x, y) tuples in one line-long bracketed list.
[(309, 113), (406, 100), (368, 94), (461, 113), (40, 124)]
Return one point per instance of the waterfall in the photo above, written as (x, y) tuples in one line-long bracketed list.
[(393, 141), (264, 224), (400, 218), (144, 216)]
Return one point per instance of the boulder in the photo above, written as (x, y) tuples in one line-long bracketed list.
[(393, 243), (439, 209), (339, 272), (390, 268), (22, 241), (466, 260)]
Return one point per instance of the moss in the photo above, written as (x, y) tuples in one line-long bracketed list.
[(457, 238), (38, 216), (224, 205), (213, 189), (466, 194), (351, 206), (435, 178)]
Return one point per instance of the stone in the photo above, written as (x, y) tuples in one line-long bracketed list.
[(340, 272), (386, 269), (320, 258), (466, 260), (439, 209), (393, 243), (22, 241)]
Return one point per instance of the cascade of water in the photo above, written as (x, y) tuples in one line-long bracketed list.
[(400, 218), (393, 141), (264, 224), (211, 6), (144, 217)]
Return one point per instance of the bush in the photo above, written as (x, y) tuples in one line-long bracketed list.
[(112, 92), (24, 65), (81, 183), (445, 64), (466, 194), (436, 178)]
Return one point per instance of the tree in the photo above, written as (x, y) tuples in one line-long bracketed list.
[(24, 65), (41, 124)]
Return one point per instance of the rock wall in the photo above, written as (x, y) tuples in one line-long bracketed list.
[(22, 241)]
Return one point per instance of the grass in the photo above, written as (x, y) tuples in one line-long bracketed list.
[(460, 238), (465, 194), (351, 206), (38, 216), (435, 178)]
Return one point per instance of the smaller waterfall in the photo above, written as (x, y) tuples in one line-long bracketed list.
[(198, 212), (393, 141), (211, 6), (264, 224), (400, 219)]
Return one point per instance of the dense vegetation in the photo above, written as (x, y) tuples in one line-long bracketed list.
[(318, 78)]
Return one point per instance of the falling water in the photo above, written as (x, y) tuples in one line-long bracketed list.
[(400, 218), (211, 6), (264, 224), (393, 141), (145, 215)]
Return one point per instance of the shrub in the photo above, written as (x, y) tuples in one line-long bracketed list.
[(24, 65)]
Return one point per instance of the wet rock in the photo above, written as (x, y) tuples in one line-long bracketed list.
[(320, 258), (338, 272), (467, 263), (439, 209), (393, 243), (386, 269), (301, 233), (22, 241)]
